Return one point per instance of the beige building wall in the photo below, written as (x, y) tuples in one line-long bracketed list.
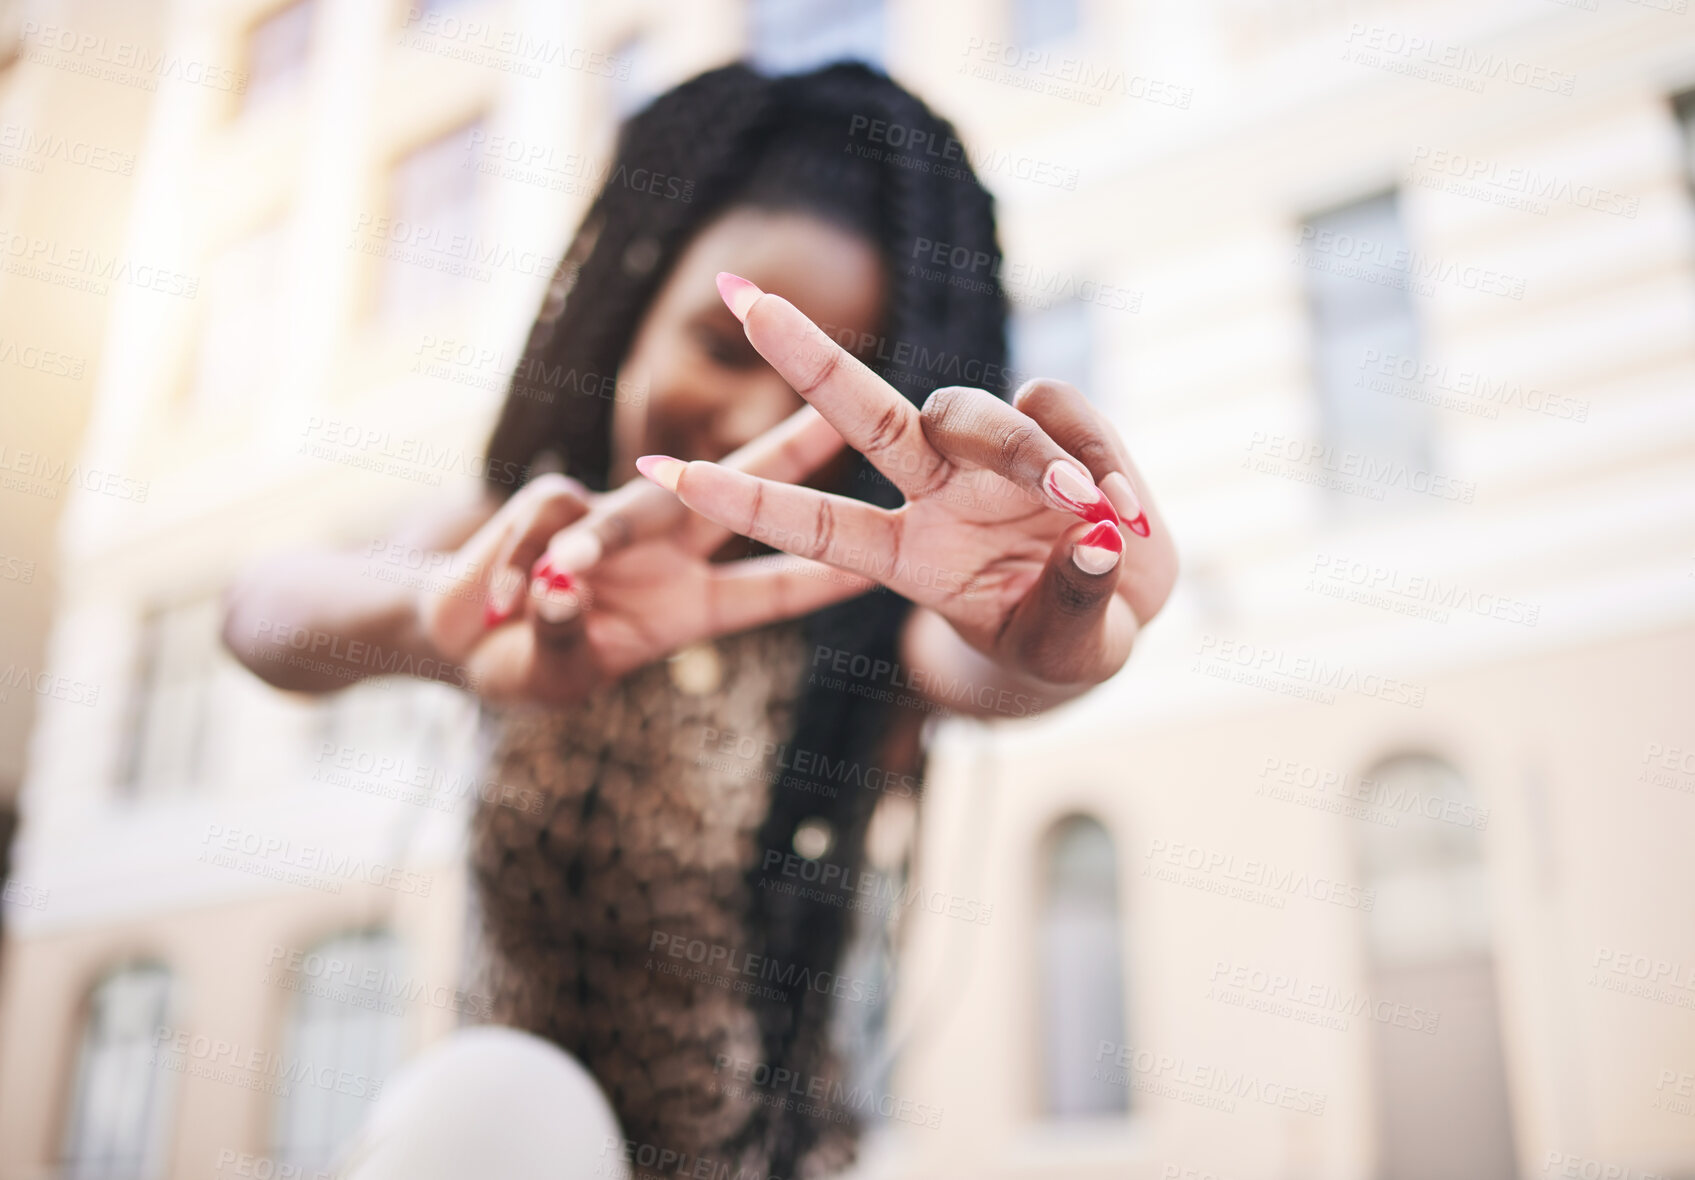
[(1172, 206)]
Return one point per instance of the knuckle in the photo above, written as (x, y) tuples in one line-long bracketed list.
[(1016, 443), (888, 430), (818, 368), (1041, 393)]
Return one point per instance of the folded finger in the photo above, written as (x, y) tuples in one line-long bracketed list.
[(848, 534), (550, 503), (974, 428), (1085, 433), (1072, 628)]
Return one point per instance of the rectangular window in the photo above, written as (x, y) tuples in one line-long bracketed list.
[(1055, 341), (429, 248), (179, 656), (1364, 332), (278, 49), (788, 36)]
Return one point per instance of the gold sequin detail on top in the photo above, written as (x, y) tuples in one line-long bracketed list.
[(645, 833)]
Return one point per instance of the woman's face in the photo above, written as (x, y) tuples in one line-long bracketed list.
[(707, 390)]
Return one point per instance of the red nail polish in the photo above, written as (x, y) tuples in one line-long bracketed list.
[(1139, 526), (1071, 489), (1104, 535), (555, 579), (493, 616)]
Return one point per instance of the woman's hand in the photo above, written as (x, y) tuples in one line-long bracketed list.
[(1003, 533), (521, 623)]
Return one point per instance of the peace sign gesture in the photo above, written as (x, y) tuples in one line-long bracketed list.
[(1011, 530)]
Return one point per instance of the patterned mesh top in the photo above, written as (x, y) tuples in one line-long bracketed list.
[(641, 841)]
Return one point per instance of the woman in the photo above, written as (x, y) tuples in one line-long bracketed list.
[(968, 556)]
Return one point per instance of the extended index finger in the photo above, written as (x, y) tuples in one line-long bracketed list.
[(788, 452), (869, 413)]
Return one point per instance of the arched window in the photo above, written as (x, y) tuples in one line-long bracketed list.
[(1442, 1103), (117, 1120), (345, 1035), (1081, 960)]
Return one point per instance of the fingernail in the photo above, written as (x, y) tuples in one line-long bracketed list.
[(1118, 489), (555, 604), (663, 469), (738, 293), (545, 574), (575, 551), (503, 596), (1098, 550), (1070, 487)]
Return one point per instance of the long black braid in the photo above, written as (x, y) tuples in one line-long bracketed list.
[(818, 142)]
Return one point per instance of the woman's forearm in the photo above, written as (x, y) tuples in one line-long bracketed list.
[(319, 621)]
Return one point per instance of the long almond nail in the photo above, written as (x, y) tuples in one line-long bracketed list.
[(1098, 550), (662, 469), (1071, 489), (738, 294), (1117, 487)]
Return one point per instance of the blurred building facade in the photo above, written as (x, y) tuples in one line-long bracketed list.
[(1373, 863)]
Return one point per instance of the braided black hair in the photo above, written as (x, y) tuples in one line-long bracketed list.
[(812, 143)]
